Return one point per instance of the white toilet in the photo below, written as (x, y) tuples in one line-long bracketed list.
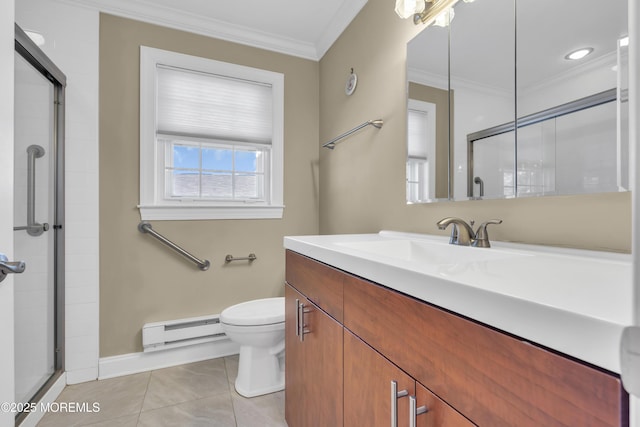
[(258, 326)]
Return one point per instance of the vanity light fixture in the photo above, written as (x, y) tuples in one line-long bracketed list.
[(407, 8), (445, 18), (578, 54), (426, 11)]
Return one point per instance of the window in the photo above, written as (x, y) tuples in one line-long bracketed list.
[(211, 138), (421, 142)]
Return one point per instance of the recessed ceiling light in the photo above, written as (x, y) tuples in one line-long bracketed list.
[(579, 54), (624, 41), (37, 38)]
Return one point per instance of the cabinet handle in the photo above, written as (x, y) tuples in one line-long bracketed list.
[(297, 317), (395, 395), (413, 411), (302, 331)]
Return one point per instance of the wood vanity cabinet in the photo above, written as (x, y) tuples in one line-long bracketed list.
[(464, 372)]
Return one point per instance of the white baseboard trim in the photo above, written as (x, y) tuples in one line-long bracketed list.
[(50, 396), (133, 363)]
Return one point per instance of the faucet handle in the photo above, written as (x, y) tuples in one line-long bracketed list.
[(482, 236)]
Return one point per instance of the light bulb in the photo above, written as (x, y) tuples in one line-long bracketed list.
[(579, 54), (407, 8), (445, 18)]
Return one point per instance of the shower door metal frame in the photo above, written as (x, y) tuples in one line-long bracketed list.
[(28, 50)]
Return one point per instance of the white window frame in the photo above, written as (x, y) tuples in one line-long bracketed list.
[(153, 205), (428, 181)]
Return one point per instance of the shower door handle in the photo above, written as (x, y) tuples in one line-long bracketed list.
[(10, 267), (33, 227)]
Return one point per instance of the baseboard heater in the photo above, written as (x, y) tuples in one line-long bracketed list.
[(182, 332)]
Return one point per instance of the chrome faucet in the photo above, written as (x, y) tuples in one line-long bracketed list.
[(462, 234)]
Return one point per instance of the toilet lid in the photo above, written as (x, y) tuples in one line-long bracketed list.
[(257, 312)]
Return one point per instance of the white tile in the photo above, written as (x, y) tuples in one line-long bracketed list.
[(81, 295), (82, 313), (81, 352), (78, 376), (82, 230), (80, 246), (81, 155), (82, 268), (80, 192), (80, 329), (84, 323)]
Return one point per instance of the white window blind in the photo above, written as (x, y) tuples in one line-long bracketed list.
[(418, 135), (420, 150), (197, 104)]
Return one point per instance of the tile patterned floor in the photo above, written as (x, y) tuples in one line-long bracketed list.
[(193, 395)]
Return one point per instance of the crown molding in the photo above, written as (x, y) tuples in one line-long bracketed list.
[(146, 11), (428, 79)]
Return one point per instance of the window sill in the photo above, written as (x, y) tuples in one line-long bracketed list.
[(182, 213)]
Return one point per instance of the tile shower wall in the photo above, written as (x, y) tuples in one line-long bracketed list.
[(71, 35)]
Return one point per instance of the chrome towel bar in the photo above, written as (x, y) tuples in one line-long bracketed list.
[(332, 144), (249, 258), (145, 227)]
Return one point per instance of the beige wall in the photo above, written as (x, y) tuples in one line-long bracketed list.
[(362, 181), (142, 281)]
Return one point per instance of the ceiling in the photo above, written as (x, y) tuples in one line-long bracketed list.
[(481, 40), (303, 28)]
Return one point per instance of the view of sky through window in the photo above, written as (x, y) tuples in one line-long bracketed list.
[(220, 159), (215, 172)]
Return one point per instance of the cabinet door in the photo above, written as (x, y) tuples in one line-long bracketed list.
[(294, 377), (438, 412), (367, 387), (314, 371)]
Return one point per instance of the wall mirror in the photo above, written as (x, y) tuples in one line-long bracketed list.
[(525, 120), (428, 111)]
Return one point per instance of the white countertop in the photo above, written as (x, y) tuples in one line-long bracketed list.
[(576, 302)]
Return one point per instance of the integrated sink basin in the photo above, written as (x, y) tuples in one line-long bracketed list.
[(574, 301), (427, 251)]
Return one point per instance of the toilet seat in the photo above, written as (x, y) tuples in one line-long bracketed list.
[(258, 312)]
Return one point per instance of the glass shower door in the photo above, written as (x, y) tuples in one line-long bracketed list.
[(34, 243)]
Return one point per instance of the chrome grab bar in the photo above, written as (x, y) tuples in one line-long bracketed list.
[(145, 227), (332, 144), (230, 258), (33, 228)]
